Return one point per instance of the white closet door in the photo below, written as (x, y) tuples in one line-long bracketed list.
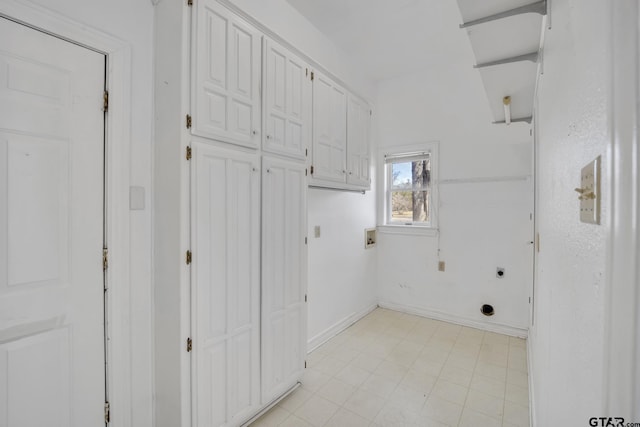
[(225, 286), (226, 60), (358, 146), (284, 260), (287, 102), (51, 231), (329, 130)]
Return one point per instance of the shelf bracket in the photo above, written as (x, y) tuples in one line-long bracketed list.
[(533, 57), (539, 8)]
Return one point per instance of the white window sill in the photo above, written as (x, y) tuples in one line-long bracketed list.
[(408, 230)]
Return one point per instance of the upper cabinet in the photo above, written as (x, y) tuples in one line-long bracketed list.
[(341, 155), (358, 147), (227, 69), (287, 102), (329, 131)]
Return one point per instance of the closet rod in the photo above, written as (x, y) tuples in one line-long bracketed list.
[(487, 179), (346, 190)]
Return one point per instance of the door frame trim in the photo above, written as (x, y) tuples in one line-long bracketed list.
[(117, 172)]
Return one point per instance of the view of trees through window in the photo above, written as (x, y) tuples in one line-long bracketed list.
[(410, 190)]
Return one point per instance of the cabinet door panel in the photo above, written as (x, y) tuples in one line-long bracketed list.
[(329, 130), (287, 102), (283, 275), (358, 145), (226, 60), (225, 285)]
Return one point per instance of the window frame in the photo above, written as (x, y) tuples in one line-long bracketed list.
[(404, 227)]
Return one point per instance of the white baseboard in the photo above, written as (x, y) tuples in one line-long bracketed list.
[(452, 318), (338, 327), (532, 406)]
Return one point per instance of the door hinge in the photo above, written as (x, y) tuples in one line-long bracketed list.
[(305, 364), (306, 72), (305, 297), (188, 153), (305, 240), (529, 300), (306, 172), (189, 257), (107, 412), (188, 121), (105, 101), (311, 170), (189, 344), (105, 259), (189, 2), (312, 76), (306, 152)]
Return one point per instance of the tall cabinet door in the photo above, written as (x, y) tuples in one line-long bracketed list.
[(287, 102), (225, 290), (329, 130), (358, 147), (227, 66), (284, 260)]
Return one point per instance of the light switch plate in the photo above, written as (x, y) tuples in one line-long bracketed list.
[(136, 198), (590, 193)]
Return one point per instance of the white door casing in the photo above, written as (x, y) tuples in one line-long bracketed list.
[(329, 130), (358, 146), (225, 286), (51, 229), (284, 260), (226, 81), (287, 102)]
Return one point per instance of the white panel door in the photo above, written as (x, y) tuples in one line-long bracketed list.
[(51, 231), (225, 286), (284, 260), (358, 145), (227, 66), (287, 102), (329, 130)]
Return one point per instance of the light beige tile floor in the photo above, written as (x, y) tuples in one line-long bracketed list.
[(393, 369)]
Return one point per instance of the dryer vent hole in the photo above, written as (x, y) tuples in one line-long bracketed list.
[(487, 310)]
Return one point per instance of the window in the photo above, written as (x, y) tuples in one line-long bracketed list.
[(409, 188)]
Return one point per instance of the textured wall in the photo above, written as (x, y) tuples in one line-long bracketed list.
[(567, 337), (483, 225)]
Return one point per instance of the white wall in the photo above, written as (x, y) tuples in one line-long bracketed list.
[(566, 341), (341, 272), (483, 225)]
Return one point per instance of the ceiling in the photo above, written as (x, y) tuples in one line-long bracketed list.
[(391, 38)]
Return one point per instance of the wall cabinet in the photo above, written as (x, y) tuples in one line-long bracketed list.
[(358, 146), (227, 69), (341, 155), (329, 130), (287, 102)]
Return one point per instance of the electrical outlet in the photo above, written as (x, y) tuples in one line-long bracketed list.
[(316, 231), (440, 265)]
